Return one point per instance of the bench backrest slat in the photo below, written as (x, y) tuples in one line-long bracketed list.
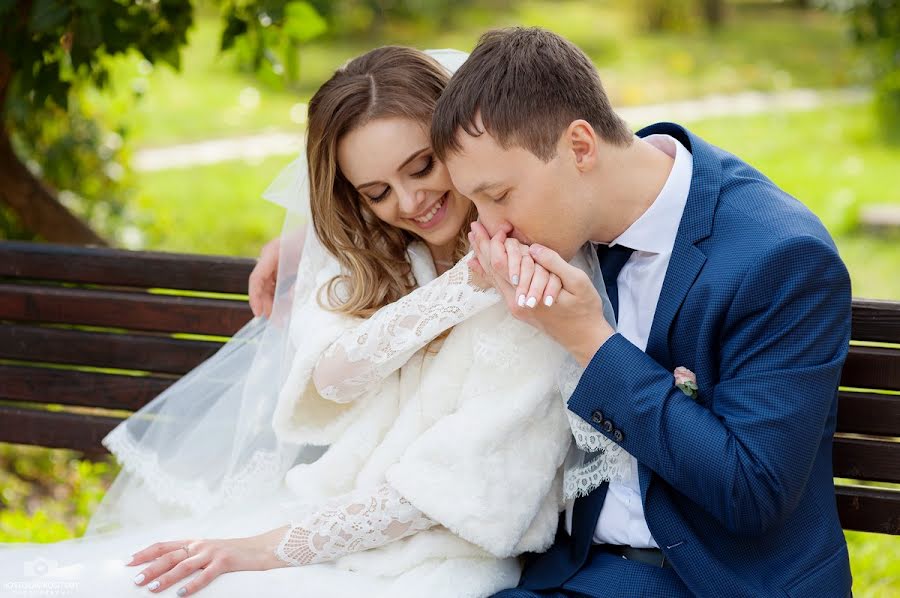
[(136, 311), (867, 509), (86, 389), (872, 367), (876, 320), (121, 267), (869, 413), (77, 431), (127, 351)]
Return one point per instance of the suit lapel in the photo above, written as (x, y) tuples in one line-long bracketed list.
[(687, 259)]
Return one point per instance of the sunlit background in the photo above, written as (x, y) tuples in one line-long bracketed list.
[(154, 137)]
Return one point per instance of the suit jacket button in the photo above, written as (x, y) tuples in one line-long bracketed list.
[(597, 417), (618, 436), (607, 425)]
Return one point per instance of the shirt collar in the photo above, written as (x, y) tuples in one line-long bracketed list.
[(656, 229)]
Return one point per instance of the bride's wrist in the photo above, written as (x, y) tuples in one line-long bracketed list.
[(269, 543)]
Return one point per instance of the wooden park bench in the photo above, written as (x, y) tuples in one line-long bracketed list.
[(122, 317)]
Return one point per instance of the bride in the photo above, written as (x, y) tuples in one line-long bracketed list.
[(390, 430)]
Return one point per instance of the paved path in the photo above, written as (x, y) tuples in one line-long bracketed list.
[(281, 143)]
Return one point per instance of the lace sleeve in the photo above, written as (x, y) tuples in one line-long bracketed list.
[(351, 523), (386, 340)]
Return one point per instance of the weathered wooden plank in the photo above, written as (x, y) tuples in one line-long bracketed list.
[(876, 320), (865, 459), (71, 387), (869, 413), (868, 509), (138, 311), (872, 367), (104, 265), (55, 429), (156, 353)]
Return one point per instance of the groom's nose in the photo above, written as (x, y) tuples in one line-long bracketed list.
[(490, 220)]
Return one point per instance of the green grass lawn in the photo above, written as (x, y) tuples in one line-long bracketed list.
[(764, 49)]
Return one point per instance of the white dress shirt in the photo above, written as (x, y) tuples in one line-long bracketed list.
[(652, 236)]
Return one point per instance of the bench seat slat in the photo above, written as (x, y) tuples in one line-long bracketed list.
[(869, 413), (102, 349), (144, 269), (869, 509), (70, 387), (872, 367), (56, 429), (866, 459), (158, 313), (876, 321)]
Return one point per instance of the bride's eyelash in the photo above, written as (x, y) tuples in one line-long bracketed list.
[(502, 197), (424, 172), (428, 168), (380, 197)]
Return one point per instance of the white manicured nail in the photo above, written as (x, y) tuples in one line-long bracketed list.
[(532, 301), (153, 585), (139, 578), (548, 300), (515, 279), (521, 300)]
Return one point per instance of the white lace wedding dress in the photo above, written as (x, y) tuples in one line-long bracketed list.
[(444, 461)]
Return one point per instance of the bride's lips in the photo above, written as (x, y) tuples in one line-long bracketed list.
[(438, 216)]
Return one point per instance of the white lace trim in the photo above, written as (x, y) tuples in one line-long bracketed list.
[(384, 342), (357, 521), (594, 458), (261, 474)]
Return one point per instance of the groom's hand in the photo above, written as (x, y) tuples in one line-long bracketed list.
[(575, 320)]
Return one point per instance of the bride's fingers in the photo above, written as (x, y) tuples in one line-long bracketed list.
[(178, 573), (151, 575), (154, 551), (203, 579), (538, 284), (551, 293), (526, 272), (514, 259)]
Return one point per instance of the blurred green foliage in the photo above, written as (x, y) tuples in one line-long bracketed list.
[(56, 57), (876, 25)]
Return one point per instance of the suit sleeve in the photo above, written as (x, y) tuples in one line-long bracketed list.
[(746, 454)]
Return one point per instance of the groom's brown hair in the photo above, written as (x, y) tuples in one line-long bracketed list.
[(528, 84)]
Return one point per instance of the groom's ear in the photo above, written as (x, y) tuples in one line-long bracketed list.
[(581, 141)]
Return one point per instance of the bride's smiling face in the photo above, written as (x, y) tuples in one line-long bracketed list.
[(390, 163)]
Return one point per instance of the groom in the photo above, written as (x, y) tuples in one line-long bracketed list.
[(710, 267)]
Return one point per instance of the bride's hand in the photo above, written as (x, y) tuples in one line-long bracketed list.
[(170, 562)]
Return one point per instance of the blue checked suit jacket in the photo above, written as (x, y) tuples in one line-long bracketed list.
[(736, 484)]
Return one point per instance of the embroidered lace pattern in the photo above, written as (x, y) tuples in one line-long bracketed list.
[(386, 340), (354, 522)]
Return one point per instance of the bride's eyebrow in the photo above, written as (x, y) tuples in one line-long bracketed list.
[(412, 157)]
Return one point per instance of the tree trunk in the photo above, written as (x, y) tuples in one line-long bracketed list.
[(713, 12), (31, 200)]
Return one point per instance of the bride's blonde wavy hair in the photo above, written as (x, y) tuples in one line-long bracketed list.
[(392, 81)]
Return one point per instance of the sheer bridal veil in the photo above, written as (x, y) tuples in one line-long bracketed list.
[(208, 441)]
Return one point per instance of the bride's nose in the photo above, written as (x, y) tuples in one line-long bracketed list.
[(412, 201)]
